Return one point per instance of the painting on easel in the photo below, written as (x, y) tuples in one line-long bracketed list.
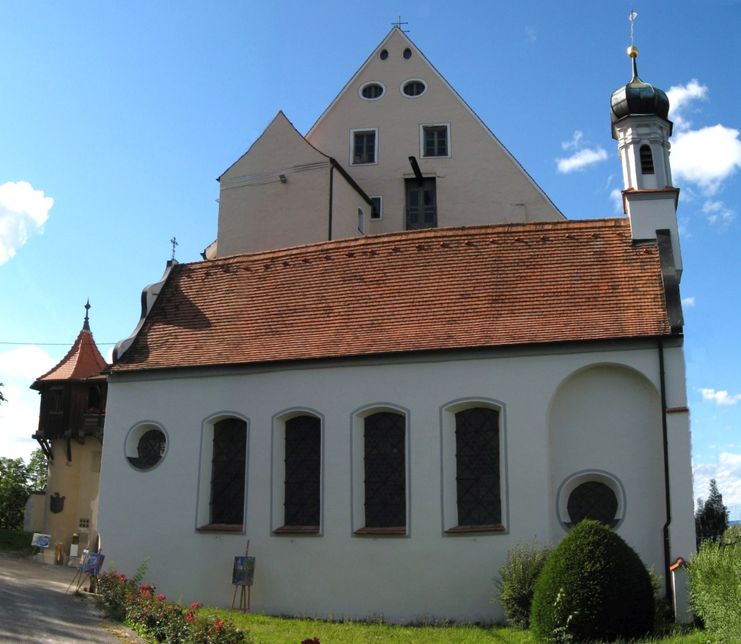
[(243, 573)]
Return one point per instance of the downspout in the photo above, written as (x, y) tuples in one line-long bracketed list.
[(331, 185), (667, 493)]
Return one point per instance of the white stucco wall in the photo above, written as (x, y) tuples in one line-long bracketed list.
[(426, 573)]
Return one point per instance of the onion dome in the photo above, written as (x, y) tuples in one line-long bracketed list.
[(638, 97)]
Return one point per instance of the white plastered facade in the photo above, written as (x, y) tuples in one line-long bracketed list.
[(592, 409)]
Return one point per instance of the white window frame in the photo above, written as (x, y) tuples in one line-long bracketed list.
[(364, 85), (278, 472), (134, 435), (571, 482), (357, 456), (409, 80), (449, 465), (352, 144), (380, 208), (422, 154), (203, 509)]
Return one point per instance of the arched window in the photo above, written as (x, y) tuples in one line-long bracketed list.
[(384, 456), (228, 464), (647, 159), (302, 472)]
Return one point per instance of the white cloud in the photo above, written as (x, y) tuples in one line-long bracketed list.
[(616, 196), (717, 212), (721, 397), (681, 97), (23, 212), (19, 416), (581, 159), (574, 142), (688, 301), (727, 473), (707, 156)]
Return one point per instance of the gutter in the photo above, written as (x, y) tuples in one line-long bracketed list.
[(667, 492)]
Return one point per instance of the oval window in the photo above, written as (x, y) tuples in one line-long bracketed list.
[(414, 88), (407, 53), (384, 54), (145, 446), (372, 91)]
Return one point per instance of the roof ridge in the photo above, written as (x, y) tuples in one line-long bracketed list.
[(411, 236)]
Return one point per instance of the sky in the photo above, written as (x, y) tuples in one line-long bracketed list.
[(117, 117)]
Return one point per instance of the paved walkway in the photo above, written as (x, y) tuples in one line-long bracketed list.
[(35, 607)]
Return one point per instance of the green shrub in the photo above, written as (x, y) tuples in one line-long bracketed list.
[(732, 535), (593, 587), (516, 582), (715, 588)]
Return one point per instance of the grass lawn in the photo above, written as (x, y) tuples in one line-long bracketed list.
[(15, 540), (285, 630)]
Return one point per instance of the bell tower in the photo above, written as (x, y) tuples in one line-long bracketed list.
[(641, 127)]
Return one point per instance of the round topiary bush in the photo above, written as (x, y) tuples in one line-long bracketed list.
[(593, 587)]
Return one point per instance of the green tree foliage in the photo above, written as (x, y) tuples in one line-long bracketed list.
[(593, 587), (715, 588), (711, 517), (17, 481), (13, 492), (37, 471), (516, 582)]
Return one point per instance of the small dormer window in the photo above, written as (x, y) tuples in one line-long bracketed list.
[(372, 91), (647, 160), (413, 87)]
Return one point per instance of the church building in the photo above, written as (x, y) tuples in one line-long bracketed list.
[(399, 360)]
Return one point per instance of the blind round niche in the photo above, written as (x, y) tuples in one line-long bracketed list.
[(145, 446)]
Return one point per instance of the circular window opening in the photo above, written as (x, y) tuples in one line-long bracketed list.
[(372, 91), (384, 54), (592, 500), (414, 88), (407, 53), (145, 446)]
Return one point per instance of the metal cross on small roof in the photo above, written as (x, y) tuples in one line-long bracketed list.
[(174, 243), (399, 23)]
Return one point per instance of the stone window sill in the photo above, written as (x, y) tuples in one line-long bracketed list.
[(395, 531), (297, 529), (475, 529), (221, 527)]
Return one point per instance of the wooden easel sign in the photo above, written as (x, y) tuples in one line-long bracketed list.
[(243, 576)]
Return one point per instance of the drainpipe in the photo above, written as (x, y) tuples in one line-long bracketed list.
[(664, 431)]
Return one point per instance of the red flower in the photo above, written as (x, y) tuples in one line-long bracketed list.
[(161, 596), (218, 624), (189, 617), (122, 577), (196, 605)]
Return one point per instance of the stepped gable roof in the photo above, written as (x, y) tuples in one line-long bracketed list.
[(82, 362), (445, 288)]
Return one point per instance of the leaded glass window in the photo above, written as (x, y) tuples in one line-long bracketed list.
[(385, 470), (592, 500), (302, 463), (227, 471), (477, 467)]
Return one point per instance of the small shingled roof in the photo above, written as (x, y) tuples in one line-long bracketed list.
[(83, 361), (435, 289)]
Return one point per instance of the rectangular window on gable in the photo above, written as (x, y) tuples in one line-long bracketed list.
[(376, 208), (435, 141), (364, 147)]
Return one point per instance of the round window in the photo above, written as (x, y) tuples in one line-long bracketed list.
[(592, 500), (372, 91), (384, 54), (407, 53), (413, 88), (145, 446), (594, 494)]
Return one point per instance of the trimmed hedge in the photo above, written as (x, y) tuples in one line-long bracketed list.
[(593, 587)]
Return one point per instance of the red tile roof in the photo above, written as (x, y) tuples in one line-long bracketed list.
[(82, 361), (446, 288)]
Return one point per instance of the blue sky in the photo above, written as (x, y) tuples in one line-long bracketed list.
[(116, 118)]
